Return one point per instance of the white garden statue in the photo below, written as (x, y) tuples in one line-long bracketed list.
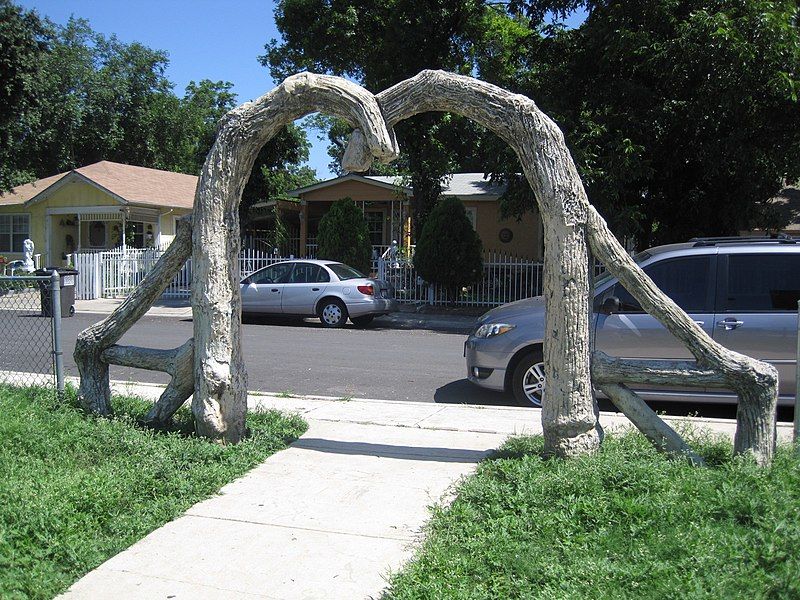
[(27, 256)]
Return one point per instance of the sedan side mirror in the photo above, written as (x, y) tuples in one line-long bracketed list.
[(610, 305)]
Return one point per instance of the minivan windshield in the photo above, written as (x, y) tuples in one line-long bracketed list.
[(343, 272), (606, 277)]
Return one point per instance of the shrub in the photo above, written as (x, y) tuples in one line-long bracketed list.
[(448, 249), (343, 236)]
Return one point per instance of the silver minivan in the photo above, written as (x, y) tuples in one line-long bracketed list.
[(742, 291)]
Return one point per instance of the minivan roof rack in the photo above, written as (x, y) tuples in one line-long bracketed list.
[(781, 238)]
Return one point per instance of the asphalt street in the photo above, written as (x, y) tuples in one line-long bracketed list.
[(303, 358)]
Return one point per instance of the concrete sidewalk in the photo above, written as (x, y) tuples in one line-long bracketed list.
[(408, 317), (333, 515)]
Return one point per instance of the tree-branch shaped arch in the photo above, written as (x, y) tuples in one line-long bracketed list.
[(572, 227)]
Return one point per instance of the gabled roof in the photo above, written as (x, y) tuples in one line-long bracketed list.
[(389, 184), (127, 184), (457, 184)]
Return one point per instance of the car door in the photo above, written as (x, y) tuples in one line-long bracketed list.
[(631, 333), (262, 291), (757, 310), (304, 287)]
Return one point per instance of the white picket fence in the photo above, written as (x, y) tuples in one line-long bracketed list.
[(505, 279), (114, 274)]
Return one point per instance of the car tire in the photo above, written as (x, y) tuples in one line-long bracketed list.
[(332, 313), (362, 321), (527, 381)]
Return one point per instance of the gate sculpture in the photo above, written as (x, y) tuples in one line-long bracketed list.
[(211, 366)]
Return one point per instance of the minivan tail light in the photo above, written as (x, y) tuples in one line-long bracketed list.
[(367, 290)]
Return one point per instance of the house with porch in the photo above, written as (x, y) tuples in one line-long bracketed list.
[(386, 203), (97, 207)]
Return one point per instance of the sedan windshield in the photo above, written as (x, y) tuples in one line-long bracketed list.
[(343, 272)]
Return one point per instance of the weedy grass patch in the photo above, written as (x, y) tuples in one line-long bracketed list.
[(625, 523), (77, 489)]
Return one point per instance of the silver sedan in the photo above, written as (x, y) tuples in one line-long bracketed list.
[(329, 290)]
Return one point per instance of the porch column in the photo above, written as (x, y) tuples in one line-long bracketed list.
[(302, 251), (78, 243)]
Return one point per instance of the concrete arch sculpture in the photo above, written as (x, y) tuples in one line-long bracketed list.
[(573, 230)]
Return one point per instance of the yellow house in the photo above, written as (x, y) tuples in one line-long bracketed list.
[(386, 205), (97, 207)]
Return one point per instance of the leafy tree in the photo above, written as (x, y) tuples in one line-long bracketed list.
[(202, 106), (278, 169), (344, 236), (379, 44), (449, 251), (681, 115), (23, 41), (82, 97)]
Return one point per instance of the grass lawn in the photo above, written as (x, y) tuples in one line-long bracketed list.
[(75, 490), (626, 523)]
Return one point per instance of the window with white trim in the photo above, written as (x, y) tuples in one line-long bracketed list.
[(14, 229)]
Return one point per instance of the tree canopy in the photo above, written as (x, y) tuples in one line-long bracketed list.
[(681, 116), (379, 44), (23, 41), (76, 97)]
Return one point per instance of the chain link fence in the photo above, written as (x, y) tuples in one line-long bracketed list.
[(30, 331)]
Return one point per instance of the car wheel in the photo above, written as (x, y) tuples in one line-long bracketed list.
[(362, 321), (332, 313), (528, 379)]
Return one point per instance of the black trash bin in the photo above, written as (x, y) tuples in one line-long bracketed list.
[(67, 291)]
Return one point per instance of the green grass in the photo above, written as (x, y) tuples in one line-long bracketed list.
[(75, 490), (626, 523)]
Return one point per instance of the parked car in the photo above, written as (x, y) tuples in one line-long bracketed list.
[(742, 291), (306, 288)]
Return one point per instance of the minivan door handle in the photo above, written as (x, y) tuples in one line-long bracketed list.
[(729, 323), (314, 289)]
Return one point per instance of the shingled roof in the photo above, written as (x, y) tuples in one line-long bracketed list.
[(127, 183)]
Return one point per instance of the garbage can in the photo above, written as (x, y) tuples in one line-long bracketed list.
[(67, 291)]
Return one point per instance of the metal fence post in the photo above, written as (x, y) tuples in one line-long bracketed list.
[(796, 431), (58, 355)]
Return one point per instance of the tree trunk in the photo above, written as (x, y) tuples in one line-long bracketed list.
[(661, 435), (220, 397), (179, 363), (755, 382), (569, 413), (94, 392)]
